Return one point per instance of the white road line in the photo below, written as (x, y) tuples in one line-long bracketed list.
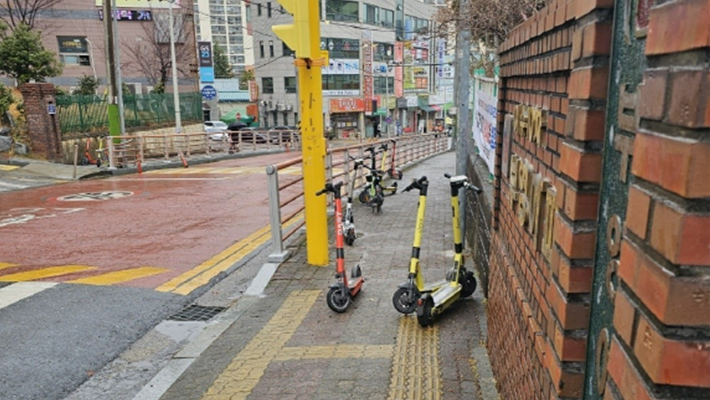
[(12, 185), (21, 290)]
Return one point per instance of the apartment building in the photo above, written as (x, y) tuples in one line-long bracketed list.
[(380, 51), (74, 30), (224, 23)]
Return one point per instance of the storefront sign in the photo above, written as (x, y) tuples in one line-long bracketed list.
[(339, 66), (341, 92), (484, 128), (129, 15), (412, 101), (529, 123), (398, 71), (401, 102), (72, 44), (141, 3), (347, 105), (367, 79)]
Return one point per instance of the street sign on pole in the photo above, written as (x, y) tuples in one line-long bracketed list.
[(209, 92)]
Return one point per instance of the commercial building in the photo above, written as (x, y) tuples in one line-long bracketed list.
[(380, 52), (74, 30)]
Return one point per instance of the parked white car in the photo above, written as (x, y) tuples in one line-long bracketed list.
[(218, 128)]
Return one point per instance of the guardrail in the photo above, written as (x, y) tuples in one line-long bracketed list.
[(132, 150), (285, 180)]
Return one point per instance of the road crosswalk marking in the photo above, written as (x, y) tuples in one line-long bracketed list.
[(22, 290), (126, 275), (44, 273)]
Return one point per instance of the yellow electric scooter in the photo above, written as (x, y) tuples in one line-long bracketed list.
[(460, 283), (407, 294)]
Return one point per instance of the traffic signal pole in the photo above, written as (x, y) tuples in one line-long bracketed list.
[(303, 36), (311, 111)]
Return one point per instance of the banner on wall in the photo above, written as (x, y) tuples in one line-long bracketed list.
[(398, 70), (484, 127)]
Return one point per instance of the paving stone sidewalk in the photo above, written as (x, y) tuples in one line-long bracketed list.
[(290, 345)]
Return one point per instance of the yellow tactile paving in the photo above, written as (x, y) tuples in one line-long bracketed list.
[(246, 369), (415, 365), (336, 351), (44, 273), (112, 278)]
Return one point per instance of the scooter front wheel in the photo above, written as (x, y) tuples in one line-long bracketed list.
[(364, 197), (424, 310), (405, 300), (468, 284), (338, 299)]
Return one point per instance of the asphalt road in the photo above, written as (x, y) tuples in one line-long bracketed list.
[(88, 267)]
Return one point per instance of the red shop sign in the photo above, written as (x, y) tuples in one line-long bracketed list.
[(347, 105)]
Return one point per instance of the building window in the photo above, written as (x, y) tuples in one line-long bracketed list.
[(387, 18), (384, 85), (290, 84), (342, 10), (271, 48), (216, 8), (383, 52), (285, 50), (219, 30), (258, 9), (74, 50), (268, 9), (341, 82), (342, 48), (261, 49), (267, 85), (234, 21), (372, 14), (219, 39)]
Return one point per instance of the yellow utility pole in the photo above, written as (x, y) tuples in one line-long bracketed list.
[(303, 36)]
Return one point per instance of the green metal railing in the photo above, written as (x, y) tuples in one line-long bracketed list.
[(88, 113)]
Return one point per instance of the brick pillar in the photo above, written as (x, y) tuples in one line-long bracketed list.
[(43, 129), (662, 310)]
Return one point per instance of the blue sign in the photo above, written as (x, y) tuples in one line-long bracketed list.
[(207, 74), (209, 92), (51, 109)]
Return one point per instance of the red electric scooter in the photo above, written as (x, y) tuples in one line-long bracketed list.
[(344, 291)]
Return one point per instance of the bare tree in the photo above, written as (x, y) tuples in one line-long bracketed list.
[(149, 53), (489, 21), (23, 12)]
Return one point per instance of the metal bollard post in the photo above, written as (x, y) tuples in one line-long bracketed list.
[(76, 159), (346, 170), (111, 163), (278, 253)]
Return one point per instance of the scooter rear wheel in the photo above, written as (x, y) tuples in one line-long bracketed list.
[(364, 196), (468, 284), (350, 237), (405, 300), (424, 310), (338, 299)]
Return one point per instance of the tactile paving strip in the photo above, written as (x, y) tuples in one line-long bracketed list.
[(415, 365)]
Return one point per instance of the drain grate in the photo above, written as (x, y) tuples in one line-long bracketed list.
[(196, 312)]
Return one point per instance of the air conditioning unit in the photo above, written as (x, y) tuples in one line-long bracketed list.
[(289, 107), (280, 107)]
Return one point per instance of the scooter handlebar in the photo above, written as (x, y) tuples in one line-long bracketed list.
[(447, 176), (416, 184), (474, 188)]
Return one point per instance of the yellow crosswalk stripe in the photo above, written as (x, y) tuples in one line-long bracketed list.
[(4, 167), (203, 273), (44, 273), (6, 265), (112, 278)]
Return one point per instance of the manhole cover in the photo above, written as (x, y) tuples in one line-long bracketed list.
[(195, 312)]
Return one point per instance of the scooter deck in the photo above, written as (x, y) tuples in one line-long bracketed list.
[(434, 286), (445, 296), (356, 285)]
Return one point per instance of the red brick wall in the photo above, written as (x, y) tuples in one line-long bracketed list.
[(538, 300), (557, 62), (43, 129), (661, 348)]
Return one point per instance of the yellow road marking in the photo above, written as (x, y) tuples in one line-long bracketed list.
[(44, 273), (190, 280), (7, 265), (8, 167), (415, 366), (246, 369), (125, 275), (336, 351)]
